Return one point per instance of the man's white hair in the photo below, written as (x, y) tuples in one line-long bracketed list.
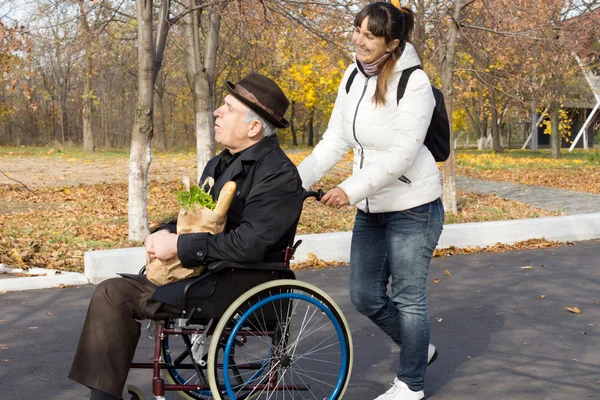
[(268, 129)]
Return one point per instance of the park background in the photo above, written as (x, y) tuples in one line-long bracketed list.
[(105, 104)]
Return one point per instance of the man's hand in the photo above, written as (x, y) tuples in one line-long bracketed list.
[(162, 245), (335, 198)]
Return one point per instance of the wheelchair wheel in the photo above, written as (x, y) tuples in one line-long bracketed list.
[(176, 351), (134, 393), (283, 338)]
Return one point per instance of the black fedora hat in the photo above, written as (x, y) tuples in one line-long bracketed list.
[(263, 96)]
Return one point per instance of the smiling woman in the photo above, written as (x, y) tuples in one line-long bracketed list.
[(398, 222)]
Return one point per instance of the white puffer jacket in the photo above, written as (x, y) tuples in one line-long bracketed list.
[(387, 142)]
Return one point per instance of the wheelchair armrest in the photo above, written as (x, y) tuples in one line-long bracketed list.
[(265, 266), (187, 289)]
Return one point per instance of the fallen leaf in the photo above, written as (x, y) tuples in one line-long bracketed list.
[(542, 296), (447, 272), (574, 310), (49, 313), (436, 281), (17, 256)]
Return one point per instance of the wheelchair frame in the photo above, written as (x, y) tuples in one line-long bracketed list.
[(276, 302)]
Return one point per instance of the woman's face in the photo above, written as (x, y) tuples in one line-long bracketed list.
[(369, 48)]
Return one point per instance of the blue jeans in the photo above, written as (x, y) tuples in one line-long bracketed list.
[(398, 244)]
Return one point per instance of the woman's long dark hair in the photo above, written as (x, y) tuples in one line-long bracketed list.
[(391, 23)]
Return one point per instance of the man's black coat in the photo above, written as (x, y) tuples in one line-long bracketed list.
[(261, 220)]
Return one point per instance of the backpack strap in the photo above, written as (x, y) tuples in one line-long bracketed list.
[(351, 79), (403, 82)]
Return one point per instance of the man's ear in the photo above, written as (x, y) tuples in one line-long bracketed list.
[(255, 129)]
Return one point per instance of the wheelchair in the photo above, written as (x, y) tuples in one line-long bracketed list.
[(256, 334)]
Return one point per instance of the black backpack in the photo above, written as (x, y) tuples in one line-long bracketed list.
[(437, 139)]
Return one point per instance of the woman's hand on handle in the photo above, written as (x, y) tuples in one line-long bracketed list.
[(335, 198)]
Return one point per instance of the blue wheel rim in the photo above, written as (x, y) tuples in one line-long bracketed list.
[(323, 308)]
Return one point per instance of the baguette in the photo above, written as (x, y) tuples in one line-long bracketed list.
[(225, 198)]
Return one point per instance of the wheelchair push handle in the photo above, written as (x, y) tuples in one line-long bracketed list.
[(317, 194)]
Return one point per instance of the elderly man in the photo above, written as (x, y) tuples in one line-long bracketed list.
[(260, 223)]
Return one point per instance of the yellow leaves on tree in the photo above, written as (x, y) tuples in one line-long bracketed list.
[(314, 79), (564, 124)]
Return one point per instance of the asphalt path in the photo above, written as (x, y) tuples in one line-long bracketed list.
[(497, 338)]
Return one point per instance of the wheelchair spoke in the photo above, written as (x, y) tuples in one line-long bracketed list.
[(290, 344)]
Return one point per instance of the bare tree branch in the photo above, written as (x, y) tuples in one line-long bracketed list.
[(287, 14), (13, 179), (174, 20), (519, 35)]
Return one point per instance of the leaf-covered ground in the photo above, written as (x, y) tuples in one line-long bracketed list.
[(578, 171), (54, 224)]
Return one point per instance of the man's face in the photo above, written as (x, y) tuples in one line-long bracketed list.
[(231, 130)]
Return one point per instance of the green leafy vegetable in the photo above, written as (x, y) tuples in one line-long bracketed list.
[(196, 195)]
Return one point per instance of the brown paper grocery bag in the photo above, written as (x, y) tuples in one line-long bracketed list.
[(198, 219)]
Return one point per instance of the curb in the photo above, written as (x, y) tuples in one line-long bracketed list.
[(38, 278), (104, 264)]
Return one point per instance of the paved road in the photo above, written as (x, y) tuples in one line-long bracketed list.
[(498, 340), (550, 199)]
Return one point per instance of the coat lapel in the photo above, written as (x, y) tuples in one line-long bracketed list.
[(247, 158)]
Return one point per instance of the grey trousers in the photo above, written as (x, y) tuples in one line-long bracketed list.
[(111, 333)]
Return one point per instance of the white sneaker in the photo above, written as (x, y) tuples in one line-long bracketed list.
[(431, 354), (400, 391)]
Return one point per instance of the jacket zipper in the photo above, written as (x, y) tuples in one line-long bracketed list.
[(362, 156)]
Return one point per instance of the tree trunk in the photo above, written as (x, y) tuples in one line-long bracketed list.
[(555, 141), (206, 139), (292, 125), (199, 76), (163, 124), (86, 114), (311, 129), (160, 93), (141, 135), (481, 140), (534, 128), (497, 146), (64, 118), (103, 128), (447, 56)]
